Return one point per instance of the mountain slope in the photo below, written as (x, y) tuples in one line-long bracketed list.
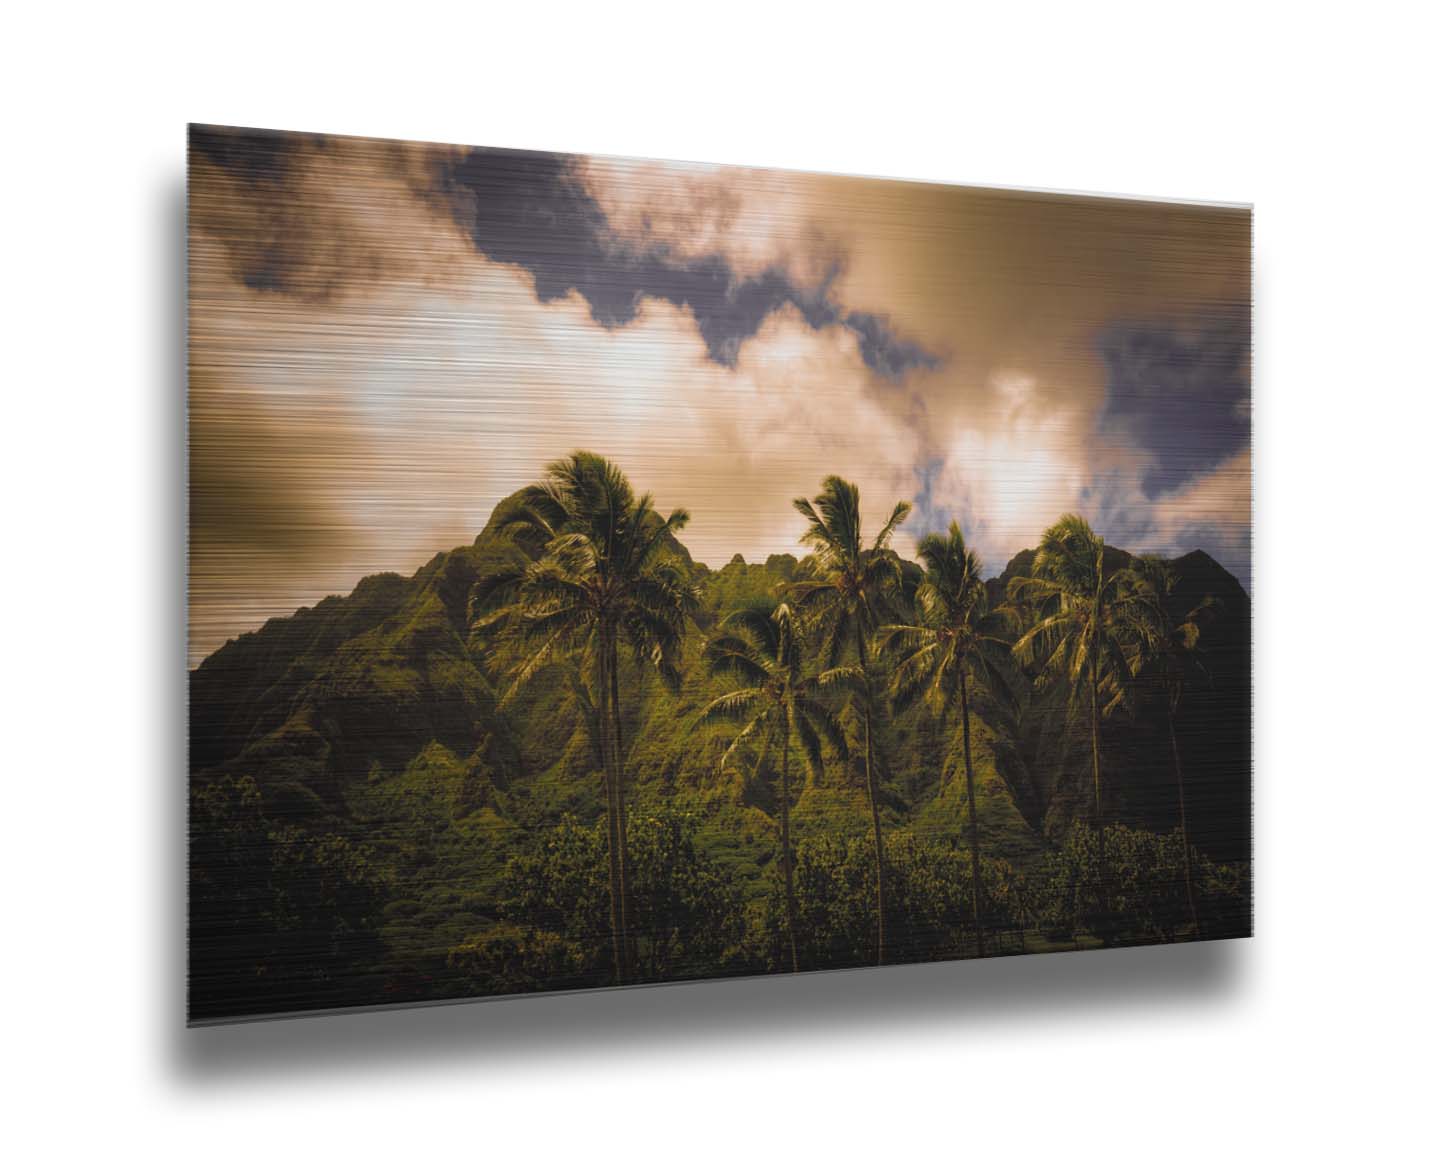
[(360, 743), (312, 704)]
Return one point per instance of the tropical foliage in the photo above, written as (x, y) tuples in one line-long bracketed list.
[(569, 755), (953, 641), (777, 703), (602, 581), (849, 590), (1089, 618), (1170, 647)]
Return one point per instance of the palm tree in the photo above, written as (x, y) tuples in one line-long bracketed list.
[(1086, 618), (954, 637), (1030, 745), (848, 590), (602, 579), (761, 647), (1171, 649)]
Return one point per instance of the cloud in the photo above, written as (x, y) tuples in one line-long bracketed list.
[(311, 217), (315, 218), (1181, 389), (534, 210), (755, 218), (358, 431), (884, 353), (1007, 466), (387, 339), (291, 241), (1211, 511)]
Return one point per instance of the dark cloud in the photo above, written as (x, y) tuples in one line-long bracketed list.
[(532, 210), (268, 237), (1182, 392), (312, 217), (928, 513), (886, 354), (254, 155)]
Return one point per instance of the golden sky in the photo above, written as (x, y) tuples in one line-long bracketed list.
[(386, 339)]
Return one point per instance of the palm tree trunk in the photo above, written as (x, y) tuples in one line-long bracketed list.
[(618, 942), (1099, 816), (974, 819), (786, 864), (871, 786), (620, 823), (1184, 831)]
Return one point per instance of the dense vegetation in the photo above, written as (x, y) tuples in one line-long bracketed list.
[(568, 755)]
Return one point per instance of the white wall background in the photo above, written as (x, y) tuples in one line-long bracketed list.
[(1319, 1030)]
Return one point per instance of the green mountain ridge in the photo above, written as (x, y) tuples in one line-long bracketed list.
[(375, 676), (369, 722)]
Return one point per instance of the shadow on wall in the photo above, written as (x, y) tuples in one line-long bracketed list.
[(755, 1011), (761, 1012)]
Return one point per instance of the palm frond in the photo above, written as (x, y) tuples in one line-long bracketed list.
[(897, 517), (845, 675), (731, 655), (824, 721), (743, 737), (731, 706), (809, 741)]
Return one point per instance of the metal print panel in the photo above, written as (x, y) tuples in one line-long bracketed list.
[(609, 572)]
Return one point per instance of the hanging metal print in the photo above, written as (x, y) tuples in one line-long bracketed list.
[(611, 572)]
